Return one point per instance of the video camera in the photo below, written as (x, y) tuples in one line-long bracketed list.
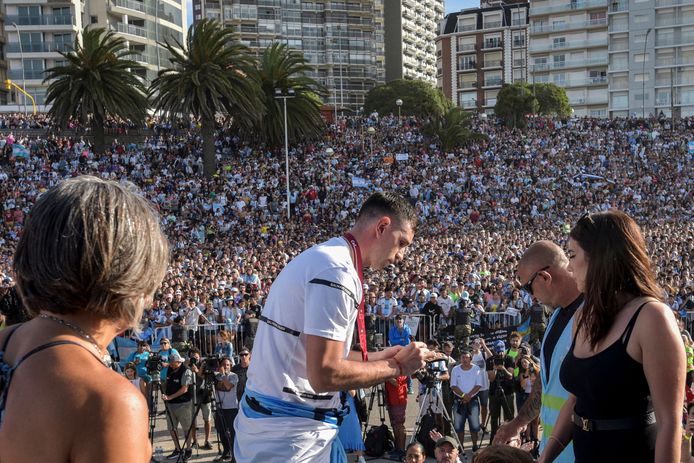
[(429, 375), (153, 364)]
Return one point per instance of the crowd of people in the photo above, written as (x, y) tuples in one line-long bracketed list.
[(479, 207)]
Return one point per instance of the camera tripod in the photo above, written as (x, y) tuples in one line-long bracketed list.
[(155, 389), (209, 391), (432, 396), (377, 392)]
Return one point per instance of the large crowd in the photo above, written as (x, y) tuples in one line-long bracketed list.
[(480, 206)]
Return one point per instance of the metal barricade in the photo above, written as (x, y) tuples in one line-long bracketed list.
[(204, 337), (500, 319)]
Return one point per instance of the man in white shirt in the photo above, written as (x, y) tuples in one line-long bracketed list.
[(291, 408), (466, 381)]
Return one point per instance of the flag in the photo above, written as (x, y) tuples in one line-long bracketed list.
[(20, 151), (524, 328)]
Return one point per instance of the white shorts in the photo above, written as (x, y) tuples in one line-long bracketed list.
[(282, 440)]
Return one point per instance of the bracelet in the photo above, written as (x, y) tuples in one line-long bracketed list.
[(686, 437), (557, 441), (399, 366)]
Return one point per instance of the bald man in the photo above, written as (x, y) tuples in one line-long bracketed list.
[(542, 270)]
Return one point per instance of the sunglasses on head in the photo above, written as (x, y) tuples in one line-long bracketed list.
[(528, 287)]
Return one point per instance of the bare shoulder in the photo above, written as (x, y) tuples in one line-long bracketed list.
[(656, 317)]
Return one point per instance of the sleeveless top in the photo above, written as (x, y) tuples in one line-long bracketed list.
[(610, 385), (6, 370)]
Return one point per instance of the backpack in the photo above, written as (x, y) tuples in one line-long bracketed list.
[(379, 440), (427, 423)]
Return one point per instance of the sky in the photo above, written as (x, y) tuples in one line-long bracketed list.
[(457, 5)]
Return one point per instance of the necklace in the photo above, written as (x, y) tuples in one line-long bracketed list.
[(105, 358)]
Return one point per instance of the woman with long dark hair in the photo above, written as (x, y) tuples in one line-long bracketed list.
[(625, 370)]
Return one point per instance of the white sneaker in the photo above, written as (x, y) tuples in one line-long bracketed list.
[(361, 460)]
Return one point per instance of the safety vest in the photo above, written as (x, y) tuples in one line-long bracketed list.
[(553, 393)]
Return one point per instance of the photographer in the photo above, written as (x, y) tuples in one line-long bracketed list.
[(178, 403), (200, 396), (500, 371), (226, 383), (431, 377)]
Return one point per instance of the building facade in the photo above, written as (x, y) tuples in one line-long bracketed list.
[(36, 30), (569, 47), (4, 93), (651, 46), (410, 35), (342, 39), (480, 49)]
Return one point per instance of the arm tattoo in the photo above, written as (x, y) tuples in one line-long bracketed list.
[(531, 408)]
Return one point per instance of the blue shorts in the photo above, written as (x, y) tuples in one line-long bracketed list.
[(470, 412)]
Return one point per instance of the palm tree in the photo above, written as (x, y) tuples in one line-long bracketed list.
[(452, 129), (97, 81), (285, 69), (212, 73)]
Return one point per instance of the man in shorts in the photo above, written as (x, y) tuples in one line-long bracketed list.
[(396, 401), (179, 404)]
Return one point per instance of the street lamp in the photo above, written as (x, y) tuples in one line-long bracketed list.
[(643, 77), (371, 131), (398, 102), (279, 95), (21, 56), (329, 155)]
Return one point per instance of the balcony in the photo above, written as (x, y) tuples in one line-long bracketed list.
[(618, 28), (42, 47), (467, 67), (683, 39), (492, 63), (465, 27), (676, 81), (492, 44), (566, 45), (133, 5), (492, 24), (43, 20), (490, 102), (132, 30), (493, 82), (468, 104), (571, 6), (29, 74), (467, 47), (568, 26), (669, 61), (467, 85), (667, 3), (569, 64), (617, 7)]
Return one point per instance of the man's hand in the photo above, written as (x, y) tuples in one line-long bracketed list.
[(385, 354), (413, 357), (165, 397), (508, 434)]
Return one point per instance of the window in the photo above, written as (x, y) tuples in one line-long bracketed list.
[(467, 62), (518, 38), (33, 68), (94, 19), (640, 18), (29, 15), (641, 77), (559, 42), (31, 42), (641, 96), (62, 42), (640, 57), (559, 79)]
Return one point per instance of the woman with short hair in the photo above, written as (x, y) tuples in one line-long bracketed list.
[(88, 262)]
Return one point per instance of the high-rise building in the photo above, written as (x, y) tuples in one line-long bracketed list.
[(651, 45), (410, 34), (4, 93), (342, 39), (480, 49), (37, 29), (568, 47)]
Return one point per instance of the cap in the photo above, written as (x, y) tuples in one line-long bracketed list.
[(433, 295), (499, 346), (399, 317), (175, 357), (447, 440)]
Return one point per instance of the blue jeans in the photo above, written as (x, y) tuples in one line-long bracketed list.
[(466, 411)]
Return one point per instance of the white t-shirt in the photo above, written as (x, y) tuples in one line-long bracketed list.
[(466, 380), (302, 299), (228, 399), (479, 360), (317, 294)]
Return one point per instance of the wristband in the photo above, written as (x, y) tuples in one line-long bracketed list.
[(462, 396), (557, 441), (686, 437), (400, 370)]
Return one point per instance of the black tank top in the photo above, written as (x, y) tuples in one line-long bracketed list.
[(610, 385)]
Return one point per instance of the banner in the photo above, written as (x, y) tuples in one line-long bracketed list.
[(413, 323), (359, 182), (402, 157)]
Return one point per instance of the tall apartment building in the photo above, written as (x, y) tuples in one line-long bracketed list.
[(569, 47), (651, 46), (4, 94), (410, 34), (342, 39), (480, 49), (37, 29)]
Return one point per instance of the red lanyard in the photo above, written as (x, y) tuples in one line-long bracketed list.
[(361, 324)]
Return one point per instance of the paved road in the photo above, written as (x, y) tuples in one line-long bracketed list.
[(163, 439)]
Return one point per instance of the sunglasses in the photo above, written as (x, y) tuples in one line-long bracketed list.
[(244, 355), (528, 287)]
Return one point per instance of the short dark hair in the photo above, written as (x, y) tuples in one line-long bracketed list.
[(618, 264), (391, 204), (502, 453), (419, 446)]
